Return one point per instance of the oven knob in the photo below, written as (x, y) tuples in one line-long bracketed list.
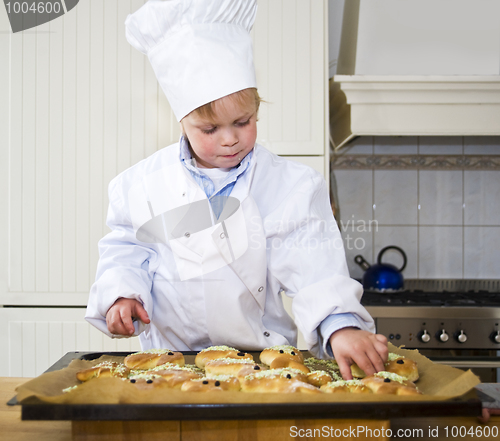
[(424, 336), (495, 336), (461, 336), (442, 336)]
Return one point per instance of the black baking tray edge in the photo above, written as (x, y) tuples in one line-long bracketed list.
[(39, 410)]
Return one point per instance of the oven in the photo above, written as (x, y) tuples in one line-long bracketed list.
[(454, 322)]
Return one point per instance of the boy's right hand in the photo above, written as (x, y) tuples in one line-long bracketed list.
[(120, 316)]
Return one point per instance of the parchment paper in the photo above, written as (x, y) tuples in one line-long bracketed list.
[(437, 382)]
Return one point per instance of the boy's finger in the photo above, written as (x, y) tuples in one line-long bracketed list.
[(345, 369), (128, 326), (367, 366), (141, 313)]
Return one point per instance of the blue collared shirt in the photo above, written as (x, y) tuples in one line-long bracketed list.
[(207, 184), (330, 324)]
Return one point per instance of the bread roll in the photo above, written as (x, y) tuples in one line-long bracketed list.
[(285, 351), (285, 361), (396, 364), (402, 366), (356, 371), (175, 375), (147, 381), (319, 378), (231, 366), (390, 383), (219, 383), (216, 352), (152, 358), (104, 369), (278, 380), (330, 366), (349, 386)]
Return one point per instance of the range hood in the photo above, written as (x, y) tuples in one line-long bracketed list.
[(401, 105)]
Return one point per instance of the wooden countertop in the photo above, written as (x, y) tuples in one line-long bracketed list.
[(14, 429)]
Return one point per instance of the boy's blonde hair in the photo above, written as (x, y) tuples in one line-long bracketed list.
[(246, 99)]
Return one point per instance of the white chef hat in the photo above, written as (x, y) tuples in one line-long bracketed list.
[(200, 50)]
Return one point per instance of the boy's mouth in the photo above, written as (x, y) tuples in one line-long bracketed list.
[(230, 156)]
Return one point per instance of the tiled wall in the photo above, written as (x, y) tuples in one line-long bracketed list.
[(441, 204)]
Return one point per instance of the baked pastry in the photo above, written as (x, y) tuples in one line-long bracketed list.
[(330, 366), (175, 375), (285, 361), (148, 381), (395, 363), (357, 372), (268, 355), (104, 369), (348, 386), (216, 352), (278, 380), (390, 383), (319, 378), (231, 366), (152, 358), (218, 383), (402, 366)]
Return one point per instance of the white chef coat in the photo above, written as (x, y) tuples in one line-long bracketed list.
[(223, 284)]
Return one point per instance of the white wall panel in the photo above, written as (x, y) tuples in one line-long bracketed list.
[(34, 338), (83, 105), (69, 138), (28, 151), (290, 53), (55, 110), (97, 78), (14, 184), (82, 147), (4, 151), (41, 155)]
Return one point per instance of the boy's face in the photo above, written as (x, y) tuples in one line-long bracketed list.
[(224, 141)]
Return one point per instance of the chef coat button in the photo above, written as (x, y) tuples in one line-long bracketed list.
[(261, 289), (267, 334), (222, 235), (187, 234), (184, 194)]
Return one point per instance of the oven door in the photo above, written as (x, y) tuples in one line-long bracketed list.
[(486, 367)]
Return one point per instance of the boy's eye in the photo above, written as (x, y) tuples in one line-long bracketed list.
[(243, 123), (209, 131)]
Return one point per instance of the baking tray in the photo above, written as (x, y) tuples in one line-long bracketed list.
[(40, 410)]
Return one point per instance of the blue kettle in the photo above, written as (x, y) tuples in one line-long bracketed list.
[(382, 276)]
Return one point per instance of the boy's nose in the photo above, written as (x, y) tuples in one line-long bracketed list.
[(229, 138)]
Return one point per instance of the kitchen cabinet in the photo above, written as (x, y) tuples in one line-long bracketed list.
[(81, 106), (425, 37), (35, 338)]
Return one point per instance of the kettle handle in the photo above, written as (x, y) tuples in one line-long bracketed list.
[(392, 247)]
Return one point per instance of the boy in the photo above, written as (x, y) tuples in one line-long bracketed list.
[(209, 233)]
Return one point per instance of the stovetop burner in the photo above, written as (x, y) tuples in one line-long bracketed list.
[(439, 314), (421, 298)]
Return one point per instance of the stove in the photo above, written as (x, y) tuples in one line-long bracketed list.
[(439, 314)]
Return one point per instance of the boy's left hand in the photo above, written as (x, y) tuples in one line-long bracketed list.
[(351, 345)]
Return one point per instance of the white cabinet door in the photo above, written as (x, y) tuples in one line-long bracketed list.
[(316, 162), (33, 339), (290, 52)]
